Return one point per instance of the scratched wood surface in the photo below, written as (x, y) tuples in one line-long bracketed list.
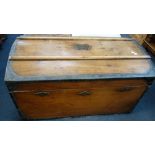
[(49, 57), (76, 47), (61, 68), (53, 100)]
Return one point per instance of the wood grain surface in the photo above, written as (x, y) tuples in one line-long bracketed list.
[(50, 57), (80, 67), (41, 100), (76, 47)]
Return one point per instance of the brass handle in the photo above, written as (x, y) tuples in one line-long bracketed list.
[(84, 93), (41, 93), (125, 89)]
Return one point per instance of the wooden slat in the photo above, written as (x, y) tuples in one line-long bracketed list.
[(73, 38), (46, 35), (16, 58)]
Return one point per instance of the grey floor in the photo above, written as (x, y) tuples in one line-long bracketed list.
[(145, 109)]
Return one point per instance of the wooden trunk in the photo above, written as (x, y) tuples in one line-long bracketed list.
[(50, 77)]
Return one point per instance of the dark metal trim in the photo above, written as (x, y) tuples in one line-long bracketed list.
[(14, 78), (138, 100), (15, 103)]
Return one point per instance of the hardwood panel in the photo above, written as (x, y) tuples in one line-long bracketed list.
[(71, 102), (60, 68), (76, 47), (52, 85)]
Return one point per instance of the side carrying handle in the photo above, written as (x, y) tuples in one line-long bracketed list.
[(85, 93), (41, 93)]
